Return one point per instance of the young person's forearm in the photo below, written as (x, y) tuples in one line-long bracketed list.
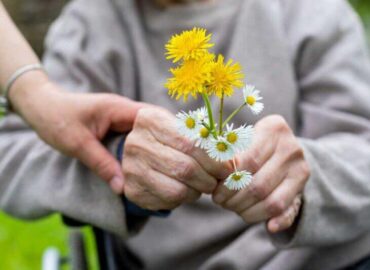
[(15, 53)]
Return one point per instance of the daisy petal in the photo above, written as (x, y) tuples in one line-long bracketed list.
[(238, 180)]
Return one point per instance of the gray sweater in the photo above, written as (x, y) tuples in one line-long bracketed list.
[(310, 61)]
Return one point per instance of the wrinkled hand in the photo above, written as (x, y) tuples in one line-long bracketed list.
[(280, 174), (75, 123), (163, 169)]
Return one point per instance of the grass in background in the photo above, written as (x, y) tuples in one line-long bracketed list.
[(23, 243), (363, 9)]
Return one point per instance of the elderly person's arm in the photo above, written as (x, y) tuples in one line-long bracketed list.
[(333, 73)]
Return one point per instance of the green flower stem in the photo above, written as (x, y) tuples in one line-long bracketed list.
[(221, 114), (233, 114), (210, 114), (206, 126), (234, 165)]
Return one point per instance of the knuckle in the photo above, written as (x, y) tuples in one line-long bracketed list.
[(278, 123), (305, 169), (132, 194), (209, 188), (184, 145), (193, 196), (131, 170), (289, 151), (275, 207), (258, 191), (250, 162), (77, 145), (217, 198), (177, 195), (132, 145), (246, 217), (143, 115), (127, 169), (184, 170)]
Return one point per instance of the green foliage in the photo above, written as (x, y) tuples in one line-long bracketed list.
[(23, 243), (2, 113), (363, 9)]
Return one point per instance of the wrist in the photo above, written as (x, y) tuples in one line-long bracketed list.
[(26, 91)]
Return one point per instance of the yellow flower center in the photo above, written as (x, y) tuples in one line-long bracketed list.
[(190, 123), (236, 177), (221, 146), (232, 137), (204, 132), (251, 100)]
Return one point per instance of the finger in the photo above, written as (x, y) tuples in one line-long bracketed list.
[(178, 166), (95, 156), (275, 204), (264, 182), (166, 133), (156, 191), (251, 160), (285, 220), (176, 192), (122, 111), (262, 148), (222, 194), (219, 170)]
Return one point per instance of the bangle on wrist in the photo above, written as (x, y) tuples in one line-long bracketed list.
[(4, 102)]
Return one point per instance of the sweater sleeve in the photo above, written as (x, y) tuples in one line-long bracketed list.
[(36, 180), (333, 72)]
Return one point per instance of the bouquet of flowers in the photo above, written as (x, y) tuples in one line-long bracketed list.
[(202, 73)]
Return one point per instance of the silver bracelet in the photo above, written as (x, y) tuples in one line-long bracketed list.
[(18, 73)]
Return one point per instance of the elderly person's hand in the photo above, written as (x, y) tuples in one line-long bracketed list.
[(162, 169), (280, 174), (74, 123)]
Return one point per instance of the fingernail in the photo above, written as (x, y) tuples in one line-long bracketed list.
[(117, 184), (219, 198)]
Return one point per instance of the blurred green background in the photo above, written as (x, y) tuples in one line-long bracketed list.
[(22, 243)]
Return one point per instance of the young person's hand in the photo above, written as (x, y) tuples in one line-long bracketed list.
[(280, 174), (163, 169), (74, 123)]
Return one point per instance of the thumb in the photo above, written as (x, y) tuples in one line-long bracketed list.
[(95, 156)]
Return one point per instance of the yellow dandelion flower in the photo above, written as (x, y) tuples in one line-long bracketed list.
[(189, 45), (190, 78), (224, 77)]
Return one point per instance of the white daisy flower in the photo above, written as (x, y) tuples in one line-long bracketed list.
[(201, 115), (252, 98), (188, 125), (204, 138), (238, 180), (240, 138), (219, 149)]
